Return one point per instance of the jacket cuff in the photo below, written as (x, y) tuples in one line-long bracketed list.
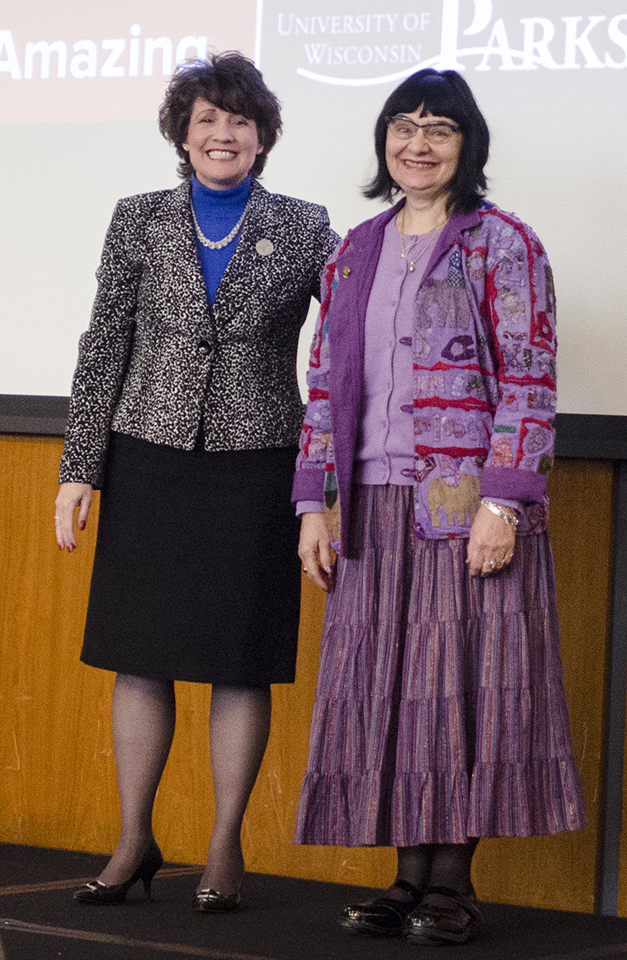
[(308, 485), (309, 506), (512, 484)]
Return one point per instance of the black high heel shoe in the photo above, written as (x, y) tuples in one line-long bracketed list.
[(209, 900), (98, 893)]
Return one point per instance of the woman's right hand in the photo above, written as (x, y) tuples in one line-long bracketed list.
[(70, 497), (315, 550)]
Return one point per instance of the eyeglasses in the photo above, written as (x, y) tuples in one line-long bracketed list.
[(438, 132)]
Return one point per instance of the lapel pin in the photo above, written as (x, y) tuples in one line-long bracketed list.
[(264, 247)]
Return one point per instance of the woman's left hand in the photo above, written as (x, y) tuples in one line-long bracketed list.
[(491, 543)]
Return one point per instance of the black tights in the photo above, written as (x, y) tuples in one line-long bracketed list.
[(437, 865), (143, 726)]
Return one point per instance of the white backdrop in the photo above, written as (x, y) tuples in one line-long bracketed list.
[(80, 87)]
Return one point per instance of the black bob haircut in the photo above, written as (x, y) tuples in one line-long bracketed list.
[(442, 94), (231, 82)]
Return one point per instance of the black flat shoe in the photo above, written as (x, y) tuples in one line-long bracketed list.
[(444, 916), (210, 901), (98, 893), (382, 916)]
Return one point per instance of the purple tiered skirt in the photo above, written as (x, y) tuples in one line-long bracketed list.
[(440, 710)]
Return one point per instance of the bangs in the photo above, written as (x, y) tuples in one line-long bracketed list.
[(226, 97), (433, 94)]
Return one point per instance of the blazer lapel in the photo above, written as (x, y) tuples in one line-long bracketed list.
[(173, 232), (242, 263)]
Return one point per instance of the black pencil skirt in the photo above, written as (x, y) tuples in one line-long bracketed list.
[(196, 575)]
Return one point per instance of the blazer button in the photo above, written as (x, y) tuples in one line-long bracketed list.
[(204, 348)]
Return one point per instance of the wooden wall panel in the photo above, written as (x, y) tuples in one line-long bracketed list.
[(560, 871), (58, 783), (53, 722)]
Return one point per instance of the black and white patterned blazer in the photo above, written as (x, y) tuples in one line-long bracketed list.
[(158, 360)]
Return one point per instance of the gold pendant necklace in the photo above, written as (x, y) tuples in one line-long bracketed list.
[(423, 250)]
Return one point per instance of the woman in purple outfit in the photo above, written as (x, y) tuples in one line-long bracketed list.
[(440, 714)]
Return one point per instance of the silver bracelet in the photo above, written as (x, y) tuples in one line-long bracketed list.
[(502, 512)]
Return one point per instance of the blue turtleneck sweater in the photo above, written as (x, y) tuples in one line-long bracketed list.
[(217, 212)]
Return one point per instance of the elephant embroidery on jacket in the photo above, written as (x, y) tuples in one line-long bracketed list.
[(438, 302), (458, 501)]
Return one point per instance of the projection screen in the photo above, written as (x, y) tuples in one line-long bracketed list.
[(80, 86)]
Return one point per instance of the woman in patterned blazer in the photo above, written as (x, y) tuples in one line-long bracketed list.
[(440, 714), (185, 412)]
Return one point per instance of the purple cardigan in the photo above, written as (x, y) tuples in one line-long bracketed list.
[(483, 371)]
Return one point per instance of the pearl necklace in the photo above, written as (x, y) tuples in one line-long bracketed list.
[(217, 244), (423, 250)]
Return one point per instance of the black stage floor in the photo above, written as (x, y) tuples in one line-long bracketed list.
[(280, 919)]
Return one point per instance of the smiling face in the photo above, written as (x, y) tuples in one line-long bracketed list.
[(421, 169), (222, 146)]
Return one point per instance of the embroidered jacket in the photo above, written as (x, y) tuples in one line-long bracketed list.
[(483, 353), (158, 360)]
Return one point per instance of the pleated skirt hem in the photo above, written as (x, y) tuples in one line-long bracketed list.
[(345, 809)]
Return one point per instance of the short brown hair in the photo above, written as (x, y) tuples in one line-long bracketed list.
[(231, 82)]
